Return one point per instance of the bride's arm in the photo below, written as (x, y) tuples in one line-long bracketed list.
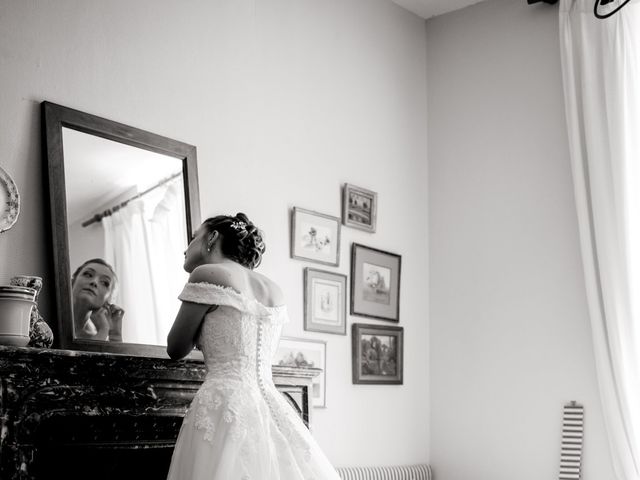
[(184, 332), (182, 336)]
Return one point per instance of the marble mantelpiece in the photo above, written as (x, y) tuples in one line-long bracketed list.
[(71, 414)]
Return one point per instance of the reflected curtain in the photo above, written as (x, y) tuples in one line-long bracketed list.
[(600, 66), (146, 253)]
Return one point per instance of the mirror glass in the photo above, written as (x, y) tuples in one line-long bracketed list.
[(125, 205), (124, 202)]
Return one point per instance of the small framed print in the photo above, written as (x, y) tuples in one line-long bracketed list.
[(359, 208), (375, 283), (325, 304), (315, 237), (305, 353), (377, 354)]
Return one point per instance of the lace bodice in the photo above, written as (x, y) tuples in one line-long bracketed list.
[(240, 337)]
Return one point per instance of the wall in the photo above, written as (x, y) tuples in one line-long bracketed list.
[(285, 101), (510, 336)]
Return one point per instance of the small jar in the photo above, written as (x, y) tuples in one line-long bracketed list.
[(16, 304)]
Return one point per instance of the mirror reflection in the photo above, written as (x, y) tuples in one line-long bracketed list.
[(126, 229)]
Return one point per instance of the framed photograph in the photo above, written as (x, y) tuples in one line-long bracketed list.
[(305, 353), (375, 283), (359, 207), (377, 354), (325, 301), (315, 237)]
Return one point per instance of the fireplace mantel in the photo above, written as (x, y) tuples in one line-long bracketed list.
[(71, 414)]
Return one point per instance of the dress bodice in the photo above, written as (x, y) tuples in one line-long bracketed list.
[(239, 338)]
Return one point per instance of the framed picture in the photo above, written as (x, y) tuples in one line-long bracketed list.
[(325, 301), (305, 353), (359, 207), (375, 283), (315, 237), (377, 354)]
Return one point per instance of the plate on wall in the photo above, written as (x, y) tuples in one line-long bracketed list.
[(9, 201)]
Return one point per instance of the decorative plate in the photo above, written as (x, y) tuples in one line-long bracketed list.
[(9, 201)]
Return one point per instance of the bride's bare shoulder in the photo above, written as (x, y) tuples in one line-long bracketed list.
[(216, 274), (267, 291)]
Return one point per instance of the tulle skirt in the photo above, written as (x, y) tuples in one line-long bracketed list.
[(235, 432)]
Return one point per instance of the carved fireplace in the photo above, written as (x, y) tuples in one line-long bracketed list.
[(70, 414)]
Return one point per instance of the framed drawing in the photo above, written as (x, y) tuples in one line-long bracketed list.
[(315, 237), (325, 301), (375, 283), (359, 207), (377, 353), (304, 353)]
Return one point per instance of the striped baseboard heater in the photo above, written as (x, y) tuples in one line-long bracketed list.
[(572, 436)]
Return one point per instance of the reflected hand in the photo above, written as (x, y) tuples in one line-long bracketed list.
[(108, 322)]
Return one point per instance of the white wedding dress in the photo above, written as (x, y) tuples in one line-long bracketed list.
[(239, 427)]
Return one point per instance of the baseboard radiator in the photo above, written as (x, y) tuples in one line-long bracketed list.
[(413, 472)]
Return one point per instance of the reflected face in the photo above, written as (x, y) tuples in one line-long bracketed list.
[(196, 252), (94, 285)]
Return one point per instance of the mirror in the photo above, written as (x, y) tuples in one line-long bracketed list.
[(128, 198)]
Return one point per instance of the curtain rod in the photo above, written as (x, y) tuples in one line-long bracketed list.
[(99, 216), (596, 5)]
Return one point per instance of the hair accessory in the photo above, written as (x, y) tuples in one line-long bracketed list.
[(239, 226)]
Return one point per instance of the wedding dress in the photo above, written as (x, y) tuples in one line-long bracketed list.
[(239, 426)]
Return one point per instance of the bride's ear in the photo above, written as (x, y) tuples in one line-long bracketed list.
[(211, 240)]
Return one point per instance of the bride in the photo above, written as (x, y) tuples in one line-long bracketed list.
[(238, 427)]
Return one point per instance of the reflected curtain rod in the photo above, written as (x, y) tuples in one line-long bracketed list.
[(109, 211)]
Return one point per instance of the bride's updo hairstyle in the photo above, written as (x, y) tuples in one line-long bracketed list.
[(242, 241)]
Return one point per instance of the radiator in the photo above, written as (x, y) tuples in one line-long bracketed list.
[(413, 472)]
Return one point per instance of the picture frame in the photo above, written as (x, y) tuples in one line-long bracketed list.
[(359, 208), (375, 283), (315, 237), (306, 353), (325, 301), (377, 354)]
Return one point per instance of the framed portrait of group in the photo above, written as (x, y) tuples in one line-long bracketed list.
[(377, 354)]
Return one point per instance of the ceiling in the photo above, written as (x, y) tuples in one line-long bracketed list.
[(431, 8)]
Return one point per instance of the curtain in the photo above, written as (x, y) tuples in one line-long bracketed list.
[(144, 242), (601, 76)]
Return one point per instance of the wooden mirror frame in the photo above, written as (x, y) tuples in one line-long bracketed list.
[(54, 117)]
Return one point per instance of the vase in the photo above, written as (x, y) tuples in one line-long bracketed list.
[(16, 304), (40, 334)]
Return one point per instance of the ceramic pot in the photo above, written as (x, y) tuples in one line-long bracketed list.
[(16, 304), (40, 333)]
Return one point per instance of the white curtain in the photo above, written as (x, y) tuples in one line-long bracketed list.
[(144, 242), (600, 66)]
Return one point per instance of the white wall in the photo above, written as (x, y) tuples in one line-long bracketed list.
[(510, 337), (285, 100)]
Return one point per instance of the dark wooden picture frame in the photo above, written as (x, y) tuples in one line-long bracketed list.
[(315, 237), (359, 208), (377, 354), (54, 118), (325, 301), (375, 283)]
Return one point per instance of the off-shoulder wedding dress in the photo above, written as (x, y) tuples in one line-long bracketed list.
[(239, 427)]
